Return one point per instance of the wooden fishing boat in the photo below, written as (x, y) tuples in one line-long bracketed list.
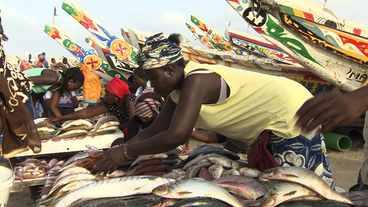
[(264, 47), (209, 43), (251, 62), (314, 36), (122, 52), (215, 36), (90, 60)]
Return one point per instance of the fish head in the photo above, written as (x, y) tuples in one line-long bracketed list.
[(270, 199), (163, 190), (270, 173)]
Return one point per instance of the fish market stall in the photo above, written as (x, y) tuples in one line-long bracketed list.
[(68, 139), (74, 144)]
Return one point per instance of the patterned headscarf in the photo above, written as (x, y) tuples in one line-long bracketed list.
[(118, 87), (158, 51), (148, 103)]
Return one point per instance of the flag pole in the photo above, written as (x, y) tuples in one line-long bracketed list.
[(53, 17)]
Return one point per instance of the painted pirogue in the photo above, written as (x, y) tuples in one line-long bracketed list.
[(314, 36)]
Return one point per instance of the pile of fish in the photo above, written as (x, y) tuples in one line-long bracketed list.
[(34, 168), (209, 176), (44, 128), (77, 128)]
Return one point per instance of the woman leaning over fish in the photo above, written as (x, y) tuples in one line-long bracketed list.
[(256, 108), (118, 100)]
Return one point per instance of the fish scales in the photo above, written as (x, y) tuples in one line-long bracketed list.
[(65, 189), (205, 147), (216, 170), (198, 159), (228, 154), (77, 122), (116, 187), (246, 187), (195, 187), (72, 133), (193, 172), (70, 178), (109, 124), (103, 120), (307, 178), (285, 191)]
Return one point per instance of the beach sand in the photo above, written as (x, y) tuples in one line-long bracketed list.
[(344, 165)]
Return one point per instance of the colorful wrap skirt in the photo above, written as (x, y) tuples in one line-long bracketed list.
[(307, 151)]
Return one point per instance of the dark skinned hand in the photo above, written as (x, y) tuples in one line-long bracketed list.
[(333, 109), (90, 161), (53, 120), (105, 162)]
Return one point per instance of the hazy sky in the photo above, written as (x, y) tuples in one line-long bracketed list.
[(24, 20)]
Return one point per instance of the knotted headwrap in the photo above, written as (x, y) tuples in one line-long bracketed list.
[(148, 103), (157, 52), (118, 87)]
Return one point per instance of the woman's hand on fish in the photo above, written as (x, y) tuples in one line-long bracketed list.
[(53, 120), (89, 162), (330, 109), (111, 160)]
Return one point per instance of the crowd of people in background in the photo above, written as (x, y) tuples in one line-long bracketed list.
[(35, 67), (26, 62)]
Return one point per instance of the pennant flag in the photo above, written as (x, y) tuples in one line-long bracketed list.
[(229, 23), (55, 11)]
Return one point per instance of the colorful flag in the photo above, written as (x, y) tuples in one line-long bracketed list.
[(229, 23)]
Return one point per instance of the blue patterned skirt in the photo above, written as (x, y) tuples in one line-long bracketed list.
[(307, 151)]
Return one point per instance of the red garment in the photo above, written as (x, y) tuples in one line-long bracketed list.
[(118, 87), (259, 156)]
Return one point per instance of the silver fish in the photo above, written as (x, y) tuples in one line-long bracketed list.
[(191, 188), (148, 157), (45, 129), (109, 124), (72, 170), (205, 147), (306, 178), (108, 130), (224, 161), (194, 171), (70, 178), (72, 133), (285, 191), (46, 124), (201, 157), (216, 170), (230, 172), (103, 120), (116, 187), (71, 128), (247, 187), (74, 185), (249, 172), (78, 122)]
